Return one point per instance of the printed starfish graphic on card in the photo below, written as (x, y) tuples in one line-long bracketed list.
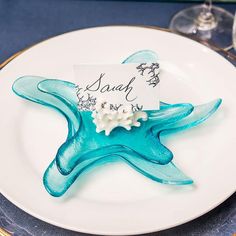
[(84, 148)]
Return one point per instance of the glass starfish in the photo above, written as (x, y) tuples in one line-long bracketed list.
[(84, 148)]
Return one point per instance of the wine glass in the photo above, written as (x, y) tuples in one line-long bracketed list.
[(206, 22)]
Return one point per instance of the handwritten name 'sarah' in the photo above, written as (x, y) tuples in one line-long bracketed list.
[(98, 85)]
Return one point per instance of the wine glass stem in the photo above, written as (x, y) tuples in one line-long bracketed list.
[(206, 19), (208, 6)]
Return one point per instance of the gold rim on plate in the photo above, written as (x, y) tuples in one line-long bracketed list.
[(3, 232)]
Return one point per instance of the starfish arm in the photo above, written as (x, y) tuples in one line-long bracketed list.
[(57, 184), (200, 114), (169, 114), (143, 56), (27, 87), (75, 146), (62, 89), (166, 174), (77, 150)]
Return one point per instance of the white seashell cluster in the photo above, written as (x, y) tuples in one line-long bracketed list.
[(107, 119)]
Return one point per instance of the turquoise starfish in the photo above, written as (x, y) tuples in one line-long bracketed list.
[(83, 149)]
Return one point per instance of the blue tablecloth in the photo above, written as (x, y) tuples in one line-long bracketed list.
[(26, 22)]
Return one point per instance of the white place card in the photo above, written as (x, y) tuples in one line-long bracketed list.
[(118, 84)]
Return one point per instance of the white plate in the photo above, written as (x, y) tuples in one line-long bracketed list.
[(115, 199)]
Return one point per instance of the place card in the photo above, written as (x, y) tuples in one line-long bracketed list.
[(118, 84)]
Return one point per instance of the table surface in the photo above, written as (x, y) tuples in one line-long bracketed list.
[(24, 23)]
